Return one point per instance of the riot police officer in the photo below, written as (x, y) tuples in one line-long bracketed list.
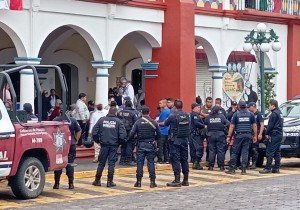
[(148, 133), (110, 132), (128, 116), (216, 127), (274, 135), (195, 137), (260, 128), (242, 122), (179, 122), (75, 136)]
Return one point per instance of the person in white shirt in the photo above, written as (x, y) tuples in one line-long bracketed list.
[(82, 114), (128, 89), (95, 116)]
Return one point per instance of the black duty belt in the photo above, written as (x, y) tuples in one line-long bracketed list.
[(243, 133)]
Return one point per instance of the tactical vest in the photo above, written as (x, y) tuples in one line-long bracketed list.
[(146, 131), (215, 123), (126, 117), (243, 122), (183, 125)]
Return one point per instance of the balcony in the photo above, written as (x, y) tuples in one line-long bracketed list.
[(289, 7)]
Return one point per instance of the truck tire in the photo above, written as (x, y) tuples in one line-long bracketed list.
[(29, 181), (260, 159)]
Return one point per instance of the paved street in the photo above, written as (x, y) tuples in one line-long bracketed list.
[(217, 189)]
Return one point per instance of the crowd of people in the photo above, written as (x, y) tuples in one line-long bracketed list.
[(173, 137)]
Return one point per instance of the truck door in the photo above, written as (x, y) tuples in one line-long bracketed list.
[(7, 141)]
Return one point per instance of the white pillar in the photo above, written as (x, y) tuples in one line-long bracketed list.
[(27, 80), (217, 77), (102, 75)]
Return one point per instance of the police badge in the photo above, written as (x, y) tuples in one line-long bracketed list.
[(59, 140)]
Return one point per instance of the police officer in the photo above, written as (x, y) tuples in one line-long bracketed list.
[(109, 131), (274, 135), (179, 122), (242, 122), (260, 128), (75, 136), (195, 137), (128, 116), (148, 133), (216, 128)]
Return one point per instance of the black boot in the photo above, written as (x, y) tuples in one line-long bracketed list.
[(222, 168), (243, 171), (275, 171), (197, 166), (71, 185), (138, 182), (71, 180), (230, 171), (175, 183), (97, 181), (56, 179), (185, 181), (152, 183), (110, 178), (253, 166), (265, 171)]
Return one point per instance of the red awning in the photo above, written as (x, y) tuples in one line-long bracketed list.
[(234, 57)]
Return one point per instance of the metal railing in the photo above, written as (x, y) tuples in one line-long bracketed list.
[(291, 7)]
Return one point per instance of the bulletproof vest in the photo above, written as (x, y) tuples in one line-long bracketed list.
[(215, 123), (146, 131), (183, 125), (243, 122), (126, 117)]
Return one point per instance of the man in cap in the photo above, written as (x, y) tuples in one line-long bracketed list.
[(243, 123), (260, 128), (148, 133), (195, 138), (216, 126)]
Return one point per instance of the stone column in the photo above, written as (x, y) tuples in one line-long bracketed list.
[(27, 80), (102, 75), (217, 77)]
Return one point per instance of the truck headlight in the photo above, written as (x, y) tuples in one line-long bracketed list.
[(292, 129)]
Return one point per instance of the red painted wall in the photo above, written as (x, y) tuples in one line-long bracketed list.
[(176, 57), (293, 73)]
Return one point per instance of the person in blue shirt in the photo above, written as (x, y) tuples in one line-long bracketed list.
[(163, 148)]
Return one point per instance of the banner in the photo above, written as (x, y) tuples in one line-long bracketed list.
[(11, 4), (233, 85)]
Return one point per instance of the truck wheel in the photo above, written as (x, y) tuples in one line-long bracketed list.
[(260, 159), (29, 181)]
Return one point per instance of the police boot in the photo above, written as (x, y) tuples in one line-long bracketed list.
[(185, 181), (275, 171), (110, 178), (265, 171), (197, 166), (243, 171), (97, 181), (56, 179), (253, 166), (152, 183), (71, 182), (175, 183), (138, 182), (230, 171), (121, 163)]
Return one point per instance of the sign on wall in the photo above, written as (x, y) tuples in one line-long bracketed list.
[(233, 85)]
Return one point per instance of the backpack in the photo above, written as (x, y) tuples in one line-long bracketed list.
[(126, 118), (183, 125)]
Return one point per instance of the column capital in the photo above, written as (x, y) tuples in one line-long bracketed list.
[(27, 60), (270, 70), (217, 68), (102, 64), (151, 66)]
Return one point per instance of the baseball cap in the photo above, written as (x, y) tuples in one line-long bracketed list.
[(233, 103), (195, 105), (242, 104), (252, 104)]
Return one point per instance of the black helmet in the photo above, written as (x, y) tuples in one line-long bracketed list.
[(88, 143)]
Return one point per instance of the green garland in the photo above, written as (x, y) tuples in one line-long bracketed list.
[(269, 88)]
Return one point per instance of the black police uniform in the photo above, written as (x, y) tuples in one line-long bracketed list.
[(110, 132), (243, 121), (195, 139), (128, 116), (254, 146), (74, 128), (274, 131), (216, 127), (179, 145), (148, 133), (206, 110)]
